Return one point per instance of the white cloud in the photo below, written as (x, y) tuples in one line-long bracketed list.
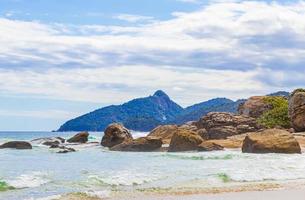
[(42, 114), (134, 18), (122, 83), (224, 49)]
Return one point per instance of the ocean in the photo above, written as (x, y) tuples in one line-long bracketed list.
[(41, 173)]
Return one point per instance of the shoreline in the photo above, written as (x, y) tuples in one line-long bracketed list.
[(251, 191)]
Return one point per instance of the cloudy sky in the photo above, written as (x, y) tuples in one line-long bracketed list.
[(60, 59)]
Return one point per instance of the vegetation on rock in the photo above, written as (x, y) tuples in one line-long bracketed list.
[(297, 90), (278, 115), (4, 186)]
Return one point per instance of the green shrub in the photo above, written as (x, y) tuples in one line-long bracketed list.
[(297, 90), (278, 115)]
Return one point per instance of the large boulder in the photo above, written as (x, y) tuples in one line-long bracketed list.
[(254, 107), (297, 110), (143, 144), (115, 134), (165, 132), (16, 145), (185, 140), (220, 125), (271, 141), (79, 138)]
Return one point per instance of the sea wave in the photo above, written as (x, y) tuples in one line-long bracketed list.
[(197, 157), (122, 179), (31, 180), (98, 194), (53, 197)]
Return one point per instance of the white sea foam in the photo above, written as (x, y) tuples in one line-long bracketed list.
[(124, 178), (137, 134), (31, 180), (98, 194), (53, 197)]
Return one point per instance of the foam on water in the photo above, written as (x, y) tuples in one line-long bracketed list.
[(123, 178), (192, 156), (31, 180), (53, 197), (99, 194)]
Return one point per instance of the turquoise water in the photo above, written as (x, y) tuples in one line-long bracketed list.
[(41, 172)]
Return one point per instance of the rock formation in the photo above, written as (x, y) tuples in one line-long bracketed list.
[(271, 141), (143, 144), (254, 107), (115, 134), (220, 125), (184, 140), (165, 132), (297, 110), (209, 146)]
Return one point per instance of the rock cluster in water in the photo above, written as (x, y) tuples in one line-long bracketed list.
[(214, 131), (218, 130)]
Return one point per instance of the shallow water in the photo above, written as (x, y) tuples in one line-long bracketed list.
[(41, 172)]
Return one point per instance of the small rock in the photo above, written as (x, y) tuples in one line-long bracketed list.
[(66, 150), (79, 138)]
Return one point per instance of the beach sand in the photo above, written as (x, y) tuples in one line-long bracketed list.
[(270, 191), (258, 195), (298, 194)]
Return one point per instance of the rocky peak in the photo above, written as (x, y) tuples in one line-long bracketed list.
[(160, 93)]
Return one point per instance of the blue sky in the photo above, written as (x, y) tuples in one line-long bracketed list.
[(63, 58)]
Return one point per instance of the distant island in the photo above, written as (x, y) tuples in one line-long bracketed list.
[(144, 114)]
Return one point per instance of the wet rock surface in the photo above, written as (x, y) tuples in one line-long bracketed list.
[(115, 134), (271, 141)]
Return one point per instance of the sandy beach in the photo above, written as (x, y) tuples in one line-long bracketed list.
[(258, 195), (297, 194)]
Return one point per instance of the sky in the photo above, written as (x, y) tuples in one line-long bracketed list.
[(63, 58)]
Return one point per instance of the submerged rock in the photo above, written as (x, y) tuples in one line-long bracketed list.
[(16, 145), (143, 144), (49, 141), (271, 141), (115, 134), (79, 138), (65, 149), (297, 110), (184, 140), (254, 107)]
